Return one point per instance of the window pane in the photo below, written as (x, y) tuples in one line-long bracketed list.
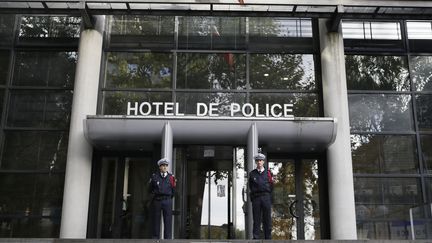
[(203, 32), (282, 71), (424, 112), (387, 191), (7, 22), (188, 101), (154, 32), (142, 25), (116, 102), (211, 71), (31, 205), (139, 70), (381, 112), (421, 72), (304, 105), (419, 30), (371, 30), (4, 66), (48, 26), (429, 189), (34, 150), (43, 109), (377, 73), (56, 69), (280, 27), (426, 144), (384, 154)]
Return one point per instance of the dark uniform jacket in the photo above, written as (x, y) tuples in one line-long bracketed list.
[(162, 187), (260, 183)]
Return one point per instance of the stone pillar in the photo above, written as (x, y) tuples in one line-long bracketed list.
[(79, 156), (339, 162), (252, 150), (167, 152)]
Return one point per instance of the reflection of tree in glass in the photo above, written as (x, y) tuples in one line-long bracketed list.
[(377, 73), (139, 70), (142, 25), (284, 185), (45, 26), (380, 112), (211, 71), (282, 71), (421, 72)]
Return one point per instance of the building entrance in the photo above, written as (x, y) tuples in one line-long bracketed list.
[(297, 202), (211, 197)]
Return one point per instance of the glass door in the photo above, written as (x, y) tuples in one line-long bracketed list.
[(210, 184), (119, 207), (296, 211)]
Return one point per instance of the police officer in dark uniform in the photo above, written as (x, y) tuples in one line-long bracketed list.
[(261, 187), (162, 187)]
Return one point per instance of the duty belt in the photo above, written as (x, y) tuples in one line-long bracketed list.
[(161, 198), (260, 194)]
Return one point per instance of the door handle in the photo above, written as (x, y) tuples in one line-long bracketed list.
[(291, 209)]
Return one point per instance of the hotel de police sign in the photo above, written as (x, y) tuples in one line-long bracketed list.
[(211, 109)]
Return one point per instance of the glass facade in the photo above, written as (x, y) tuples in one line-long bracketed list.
[(209, 60), (36, 82), (389, 107)]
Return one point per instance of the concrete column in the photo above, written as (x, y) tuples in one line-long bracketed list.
[(79, 156), (167, 152), (167, 143), (339, 162), (252, 150)]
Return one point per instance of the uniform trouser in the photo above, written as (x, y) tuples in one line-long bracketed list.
[(164, 206), (261, 209)]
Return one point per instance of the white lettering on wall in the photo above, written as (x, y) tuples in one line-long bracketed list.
[(211, 109)]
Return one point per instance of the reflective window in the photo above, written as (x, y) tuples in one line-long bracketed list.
[(7, 22), (116, 102), (387, 191), (421, 72), (304, 105), (203, 32), (138, 70), (49, 26), (429, 189), (142, 25), (30, 205), (377, 73), (4, 66), (280, 27), (188, 101), (34, 150), (380, 112), (419, 30), (154, 32), (384, 154), (42, 109), (56, 69), (424, 112), (371, 30), (282, 71), (426, 144), (211, 71)]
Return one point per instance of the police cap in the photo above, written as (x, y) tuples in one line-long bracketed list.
[(259, 156), (163, 161)]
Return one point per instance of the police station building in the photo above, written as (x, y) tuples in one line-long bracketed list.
[(336, 94)]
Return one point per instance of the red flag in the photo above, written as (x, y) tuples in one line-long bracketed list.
[(229, 57), (241, 2)]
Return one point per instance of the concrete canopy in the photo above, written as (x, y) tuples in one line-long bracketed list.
[(136, 132)]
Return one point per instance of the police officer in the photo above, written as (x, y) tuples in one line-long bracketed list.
[(261, 187), (162, 187)]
